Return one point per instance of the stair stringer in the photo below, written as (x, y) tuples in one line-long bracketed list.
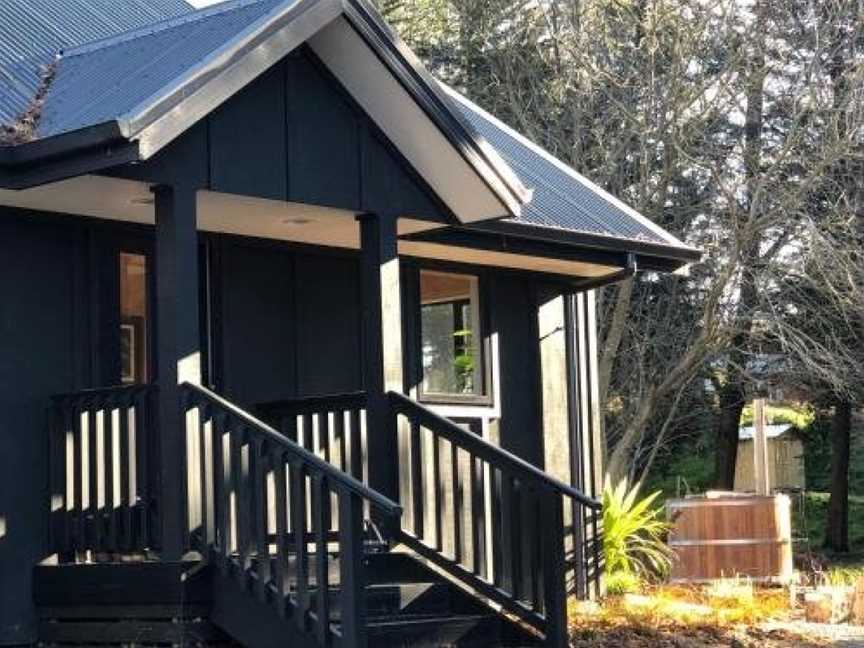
[(253, 623)]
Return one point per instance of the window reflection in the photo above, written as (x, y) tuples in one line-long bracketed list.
[(133, 319), (450, 334)]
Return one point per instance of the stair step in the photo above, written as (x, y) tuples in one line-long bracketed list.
[(421, 631)]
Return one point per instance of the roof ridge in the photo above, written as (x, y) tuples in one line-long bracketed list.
[(158, 26)]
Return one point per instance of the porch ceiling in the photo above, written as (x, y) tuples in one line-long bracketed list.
[(131, 201)]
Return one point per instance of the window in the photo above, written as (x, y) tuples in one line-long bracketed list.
[(134, 365), (450, 336)]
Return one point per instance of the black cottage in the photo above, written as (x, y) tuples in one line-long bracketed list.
[(296, 343)]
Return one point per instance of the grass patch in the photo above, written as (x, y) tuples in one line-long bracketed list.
[(728, 602), (808, 522)]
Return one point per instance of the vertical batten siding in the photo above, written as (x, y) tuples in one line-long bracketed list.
[(43, 350)]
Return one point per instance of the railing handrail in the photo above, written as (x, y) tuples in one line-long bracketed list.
[(335, 475), (300, 403), (486, 450), (96, 392)]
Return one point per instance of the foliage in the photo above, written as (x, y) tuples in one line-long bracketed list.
[(735, 125), (817, 455), (808, 520), (622, 582), (727, 603), (799, 415), (844, 576), (688, 469), (633, 532)]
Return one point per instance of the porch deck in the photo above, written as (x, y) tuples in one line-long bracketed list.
[(484, 532)]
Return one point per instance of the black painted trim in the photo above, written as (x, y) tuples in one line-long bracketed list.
[(675, 253), (559, 244), (417, 81)]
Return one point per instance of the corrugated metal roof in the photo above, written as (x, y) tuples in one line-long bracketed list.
[(33, 31), (563, 199), (748, 432), (100, 81)]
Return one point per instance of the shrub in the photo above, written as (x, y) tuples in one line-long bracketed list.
[(622, 582), (633, 533)]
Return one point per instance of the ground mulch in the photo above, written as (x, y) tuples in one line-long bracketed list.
[(636, 636)]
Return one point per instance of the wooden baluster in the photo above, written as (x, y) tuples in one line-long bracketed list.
[(57, 467), (324, 434), (277, 460), (533, 531), (597, 547), (321, 521), (437, 486), (240, 478), (144, 436), (298, 523), (554, 584), (308, 431), (258, 455), (339, 431), (110, 522), (352, 584), (78, 433), (94, 534), (457, 504), (580, 552), (208, 534), (289, 426), (417, 491), (500, 542), (221, 488), (478, 517), (125, 468), (69, 444), (356, 446), (513, 528)]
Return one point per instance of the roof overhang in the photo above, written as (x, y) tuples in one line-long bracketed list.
[(363, 53), (562, 244)]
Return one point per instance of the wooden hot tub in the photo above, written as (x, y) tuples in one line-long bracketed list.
[(727, 535)]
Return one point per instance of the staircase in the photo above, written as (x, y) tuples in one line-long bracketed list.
[(281, 547)]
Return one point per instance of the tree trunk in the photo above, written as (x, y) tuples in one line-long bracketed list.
[(837, 527), (726, 452)]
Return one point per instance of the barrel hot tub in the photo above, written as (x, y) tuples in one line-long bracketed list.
[(724, 535)]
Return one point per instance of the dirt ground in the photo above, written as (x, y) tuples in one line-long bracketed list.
[(779, 635)]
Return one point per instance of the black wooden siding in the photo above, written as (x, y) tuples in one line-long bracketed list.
[(295, 134)]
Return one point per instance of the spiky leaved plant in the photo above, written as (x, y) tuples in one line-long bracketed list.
[(633, 532)]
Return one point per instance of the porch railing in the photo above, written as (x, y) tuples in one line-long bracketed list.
[(258, 500), (102, 485), (490, 519), (332, 426)]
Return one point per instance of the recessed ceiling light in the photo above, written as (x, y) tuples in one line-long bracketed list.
[(142, 200), (296, 221)]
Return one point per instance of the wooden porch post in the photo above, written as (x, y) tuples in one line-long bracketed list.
[(178, 356), (382, 346)]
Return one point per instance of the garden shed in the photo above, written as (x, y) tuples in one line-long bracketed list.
[(785, 458)]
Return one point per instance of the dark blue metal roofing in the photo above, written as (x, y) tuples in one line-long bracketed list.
[(101, 81), (104, 80), (562, 199), (33, 31)]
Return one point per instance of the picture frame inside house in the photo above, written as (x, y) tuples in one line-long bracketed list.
[(131, 349)]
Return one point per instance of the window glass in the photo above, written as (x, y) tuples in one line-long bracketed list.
[(450, 334), (133, 319)]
